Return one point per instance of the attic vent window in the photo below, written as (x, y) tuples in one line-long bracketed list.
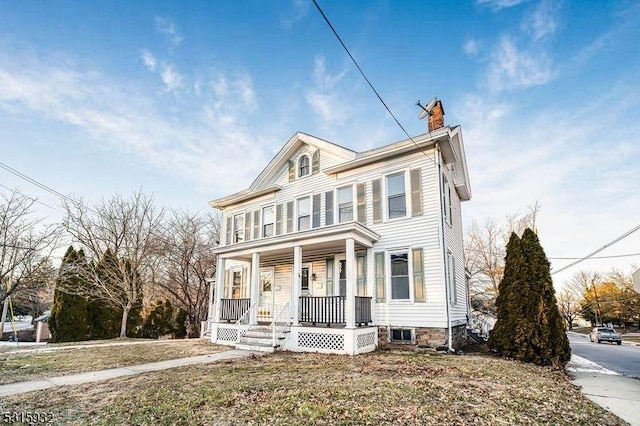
[(303, 166)]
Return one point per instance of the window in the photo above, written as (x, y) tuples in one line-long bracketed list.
[(305, 279), (303, 166), (268, 221), (238, 228), (345, 204), (304, 213), (446, 200), (399, 276), (451, 278), (401, 335), (396, 198), (238, 285)]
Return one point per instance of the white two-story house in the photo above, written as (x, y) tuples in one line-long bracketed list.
[(332, 250)]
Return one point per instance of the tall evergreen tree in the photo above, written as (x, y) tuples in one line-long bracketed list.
[(501, 338), (68, 322), (548, 341), (529, 326)]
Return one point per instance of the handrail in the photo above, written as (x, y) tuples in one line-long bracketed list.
[(245, 313), (273, 324)]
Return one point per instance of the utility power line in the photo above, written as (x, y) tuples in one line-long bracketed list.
[(34, 199), (613, 256), (326, 19), (593, 253)]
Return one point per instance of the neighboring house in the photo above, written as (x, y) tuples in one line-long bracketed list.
[(331, 250)]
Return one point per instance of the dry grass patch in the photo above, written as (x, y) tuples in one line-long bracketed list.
[(285, 388), (41, 363)]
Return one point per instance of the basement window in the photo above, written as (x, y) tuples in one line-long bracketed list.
[(401, 335)]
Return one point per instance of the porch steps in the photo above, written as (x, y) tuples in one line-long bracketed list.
[(258, 339)]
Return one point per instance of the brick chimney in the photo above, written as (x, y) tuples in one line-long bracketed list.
[(436, 118)]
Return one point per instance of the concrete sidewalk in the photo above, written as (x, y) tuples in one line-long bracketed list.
[(112, 373), (614, 392)]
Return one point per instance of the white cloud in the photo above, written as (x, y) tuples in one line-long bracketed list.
[(499, 4), (471, 47), (168, 28), (299, 9), (203, 145), (171, 78), (149, 60), (327, 98), (513, 68), (543, 21)]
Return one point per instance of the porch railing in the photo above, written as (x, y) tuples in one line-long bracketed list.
[(324, 310), (234, 309), (363, 310)]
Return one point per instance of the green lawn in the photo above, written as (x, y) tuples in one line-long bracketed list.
[(377, 389)]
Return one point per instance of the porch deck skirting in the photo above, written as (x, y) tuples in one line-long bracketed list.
[(308, 339)]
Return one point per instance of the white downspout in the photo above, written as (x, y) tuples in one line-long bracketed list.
[(444, 251)]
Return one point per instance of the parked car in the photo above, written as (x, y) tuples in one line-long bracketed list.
[(605, 334)]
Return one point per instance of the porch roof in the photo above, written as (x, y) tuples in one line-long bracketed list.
[(317, 237)]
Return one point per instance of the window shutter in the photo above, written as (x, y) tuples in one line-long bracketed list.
[(247, 226), (315, 162), (292, 170), (328, 219), (380, 284), (362, 203), (329, 276), (227, 284), (290, 216), (229, 226), (454, 287), (416, 193), (316, 211), (256, 224), (377, 204), (418, 275), (279, 219)]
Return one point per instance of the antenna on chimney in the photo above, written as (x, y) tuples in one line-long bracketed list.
[(426, 110)]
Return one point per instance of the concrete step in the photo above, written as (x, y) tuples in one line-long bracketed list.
[(259, 333), (257, 347), (255, 339)]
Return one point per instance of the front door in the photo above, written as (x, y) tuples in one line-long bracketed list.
[(266, 305)]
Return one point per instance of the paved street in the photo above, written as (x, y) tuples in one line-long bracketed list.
[(621, 359)]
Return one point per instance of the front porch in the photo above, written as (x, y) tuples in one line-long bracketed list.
[(312, 293)]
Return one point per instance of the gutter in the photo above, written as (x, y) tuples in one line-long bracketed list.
[(444, 251)]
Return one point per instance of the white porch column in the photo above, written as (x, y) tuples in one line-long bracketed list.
[(255, 287), (350, 303), (220, 276), (371, 281), (296, 284)]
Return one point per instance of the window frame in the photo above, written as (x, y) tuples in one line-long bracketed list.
[(403, 330), (263, 223), (297, 212), (237, 230), (452, 284), (385, 195), (447, 210), (336, 204), (408, 252), (300, 166)]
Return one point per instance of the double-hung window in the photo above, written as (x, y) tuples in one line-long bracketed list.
[(446, 200), (238, 228), (345, 204), (268, 219), (399, 276), (303, 166), (396, 196), (304, 213)]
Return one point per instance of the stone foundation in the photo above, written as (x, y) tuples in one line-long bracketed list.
[(422, 337)]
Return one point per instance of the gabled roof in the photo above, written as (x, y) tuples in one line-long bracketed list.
[(293, 144)]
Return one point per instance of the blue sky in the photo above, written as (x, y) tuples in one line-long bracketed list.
[(190, 100)]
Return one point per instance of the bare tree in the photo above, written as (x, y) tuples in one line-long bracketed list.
[(119, 238), (569, 306), (26, 244), (485, 250), (186, 262)]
